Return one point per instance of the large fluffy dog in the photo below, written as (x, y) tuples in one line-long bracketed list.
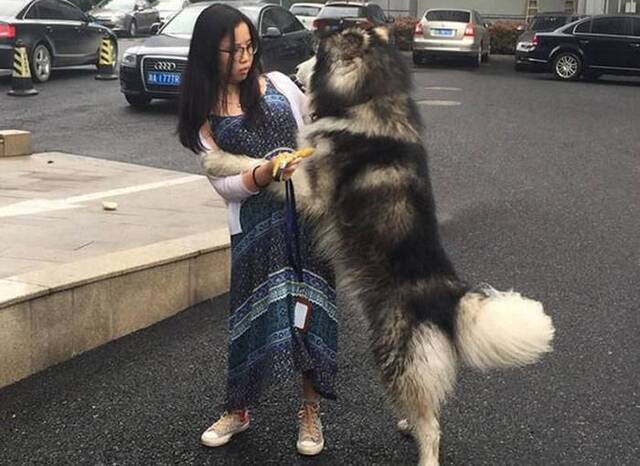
[(368, 187)]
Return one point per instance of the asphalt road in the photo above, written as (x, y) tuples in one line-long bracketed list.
[(537, 187)]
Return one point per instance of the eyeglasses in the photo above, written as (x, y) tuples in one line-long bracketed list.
[(238, 52)]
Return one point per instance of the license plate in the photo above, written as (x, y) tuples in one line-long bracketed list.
[(442, 32), (163, 79)]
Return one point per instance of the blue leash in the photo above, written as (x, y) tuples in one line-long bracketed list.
[(293, 233)]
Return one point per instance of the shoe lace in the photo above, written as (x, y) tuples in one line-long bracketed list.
[(308, 415)]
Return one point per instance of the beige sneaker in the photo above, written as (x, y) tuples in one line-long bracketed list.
[(224, 428), (310, 439)]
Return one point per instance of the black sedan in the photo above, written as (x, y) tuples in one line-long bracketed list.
[(541, 22), (128, 17), (590, 47), (336, 16), (56, 33), (152, 70)]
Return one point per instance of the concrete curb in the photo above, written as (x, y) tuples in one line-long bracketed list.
[(51, 315)]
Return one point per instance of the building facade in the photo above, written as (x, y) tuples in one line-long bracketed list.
[(595, 7)]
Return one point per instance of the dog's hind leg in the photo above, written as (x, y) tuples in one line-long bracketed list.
[(428, 378), (426, 431)]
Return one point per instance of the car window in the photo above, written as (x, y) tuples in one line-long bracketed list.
[(268, 20), (583, 28), (45, 9), (636, 27), (70, 12), (183, 22), (455, 16), (286, 22), (337, 11), (547, 23), (301, 10), (613, 26), (377, 13)]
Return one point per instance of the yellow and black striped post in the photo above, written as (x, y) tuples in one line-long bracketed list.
[(21, 83), (107, 60)]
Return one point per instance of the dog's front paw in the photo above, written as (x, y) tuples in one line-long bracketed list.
[(218, 163)]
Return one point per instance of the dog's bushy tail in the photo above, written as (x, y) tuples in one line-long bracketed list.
[(501, 329)]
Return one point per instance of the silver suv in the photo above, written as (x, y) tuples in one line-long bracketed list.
[(451, 33)]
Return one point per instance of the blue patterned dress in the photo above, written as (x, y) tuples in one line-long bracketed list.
[(264, 347)]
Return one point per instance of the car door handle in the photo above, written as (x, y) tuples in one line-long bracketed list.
[(583, 42), (635, 46), (48, 29)]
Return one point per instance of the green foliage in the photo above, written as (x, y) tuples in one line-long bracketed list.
[(403, 31), (504, 36)]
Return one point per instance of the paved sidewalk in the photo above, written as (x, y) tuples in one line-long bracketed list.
[(51, 209), (74, 275)]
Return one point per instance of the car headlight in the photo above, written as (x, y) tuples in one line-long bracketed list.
[(129, 59)]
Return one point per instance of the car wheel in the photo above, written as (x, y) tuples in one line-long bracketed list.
[(41, 63), (477, 59), (133, 28), (138, 100), (567, 66), (418, 59), (487, 55)]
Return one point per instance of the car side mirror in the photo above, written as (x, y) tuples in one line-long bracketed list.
[(90, 19), (272, 32), (391, 20), (138, 8), (155, 28)]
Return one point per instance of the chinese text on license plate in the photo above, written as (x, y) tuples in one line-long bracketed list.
[(163, 79)]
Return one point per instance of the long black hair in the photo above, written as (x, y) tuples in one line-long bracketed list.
[(203, 83)]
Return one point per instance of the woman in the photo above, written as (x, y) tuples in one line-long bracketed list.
[(228, 104)]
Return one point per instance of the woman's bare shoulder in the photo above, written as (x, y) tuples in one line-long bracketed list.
[(207, 137)]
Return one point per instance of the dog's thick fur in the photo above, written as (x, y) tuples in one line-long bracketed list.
[(369, 189)]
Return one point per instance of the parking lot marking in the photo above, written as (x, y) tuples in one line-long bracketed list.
[(439, 88), (37, 206), (439, 103)]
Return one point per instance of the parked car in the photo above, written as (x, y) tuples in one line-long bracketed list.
[(451, 33), (541, 22), (590, 47), (169, 8), (129, 17), (152, 70), (306, 12), (336, 16), (55, 32)]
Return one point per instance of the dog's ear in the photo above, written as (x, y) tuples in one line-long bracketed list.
[(382, 33)]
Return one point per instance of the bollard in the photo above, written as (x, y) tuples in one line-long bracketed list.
[(21, 83), (107, 61)]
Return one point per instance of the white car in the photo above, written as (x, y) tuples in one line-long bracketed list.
[(306, 12)]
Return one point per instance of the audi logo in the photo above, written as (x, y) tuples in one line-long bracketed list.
[(164, 66)]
